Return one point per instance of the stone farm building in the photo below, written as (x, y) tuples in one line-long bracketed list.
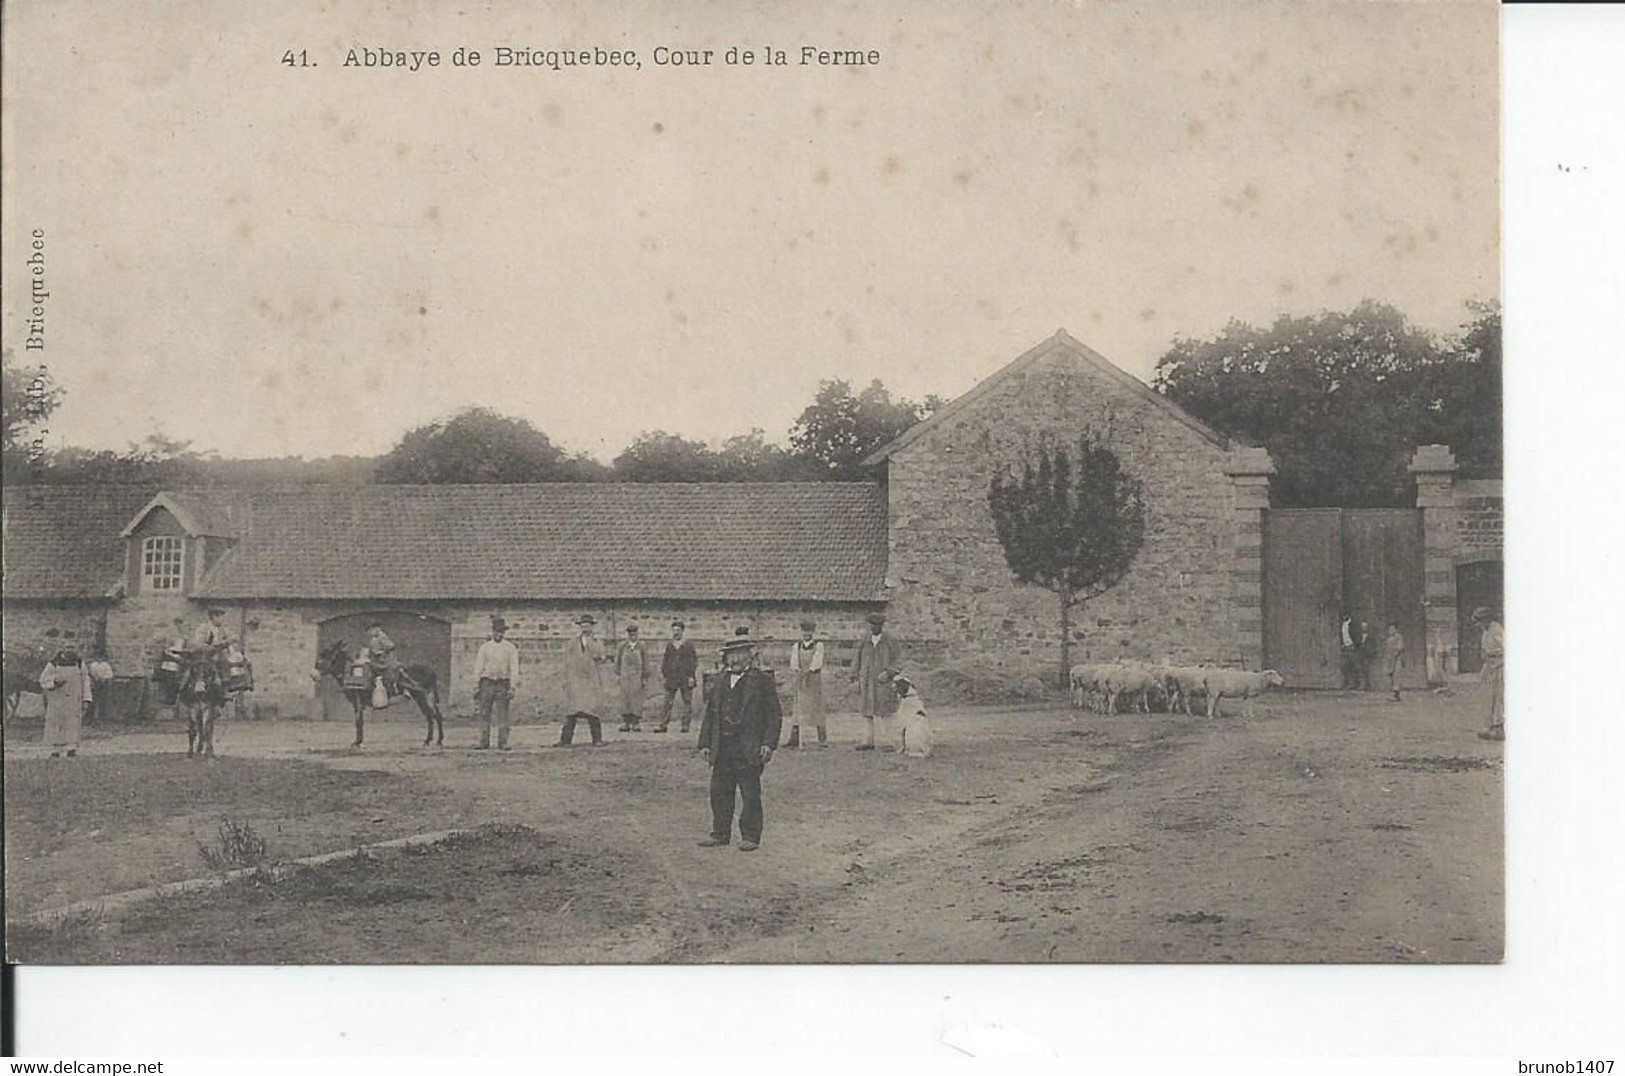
[(299, 566)]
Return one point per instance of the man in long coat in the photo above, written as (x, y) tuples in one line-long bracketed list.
[(879, 658), (583, 683), (741, 728), (632, 679)]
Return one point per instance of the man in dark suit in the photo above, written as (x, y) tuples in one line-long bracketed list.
[(678, 669), (737, 737)]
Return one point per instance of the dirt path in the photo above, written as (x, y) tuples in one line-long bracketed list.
[(1326, 828)]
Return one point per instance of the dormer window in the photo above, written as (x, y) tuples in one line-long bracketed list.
[(162, 559)]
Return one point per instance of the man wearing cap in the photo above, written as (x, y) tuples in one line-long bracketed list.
[(1493, 645), (211, 632), (678, 667), (583, 688), (879, 658), (737, 737), (632, 679), (496, 672)]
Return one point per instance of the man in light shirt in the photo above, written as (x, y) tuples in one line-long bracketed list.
[(496, 671)]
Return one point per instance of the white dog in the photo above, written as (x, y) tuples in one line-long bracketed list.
[(913, 729)]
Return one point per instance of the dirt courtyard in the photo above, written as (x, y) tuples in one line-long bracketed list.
[(1330, 827)]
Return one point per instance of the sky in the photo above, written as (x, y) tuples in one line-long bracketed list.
[(269, 260)]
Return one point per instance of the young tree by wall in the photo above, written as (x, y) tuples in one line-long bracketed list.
[(1070, 525)]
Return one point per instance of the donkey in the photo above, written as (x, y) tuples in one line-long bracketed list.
[(416, 682), (202, 693), (21, 674)]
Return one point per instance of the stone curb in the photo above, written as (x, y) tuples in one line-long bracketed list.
[(118, 903)]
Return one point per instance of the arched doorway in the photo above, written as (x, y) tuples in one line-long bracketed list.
[(1478, 583), (419, 640)]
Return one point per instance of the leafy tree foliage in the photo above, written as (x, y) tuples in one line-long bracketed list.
[(477, 445), (658, 456), (1070, 525), (1341, 399), (838, 429), (157, 461)]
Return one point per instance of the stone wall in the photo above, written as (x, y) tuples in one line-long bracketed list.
[(44, 626), (281, 640), (1479, 519), (950, 584)]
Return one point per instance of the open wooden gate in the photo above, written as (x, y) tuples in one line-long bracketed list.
[(1322, 562)]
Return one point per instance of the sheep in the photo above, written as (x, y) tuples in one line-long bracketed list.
[(1183, 681), (1083, 684), (1131, 679), (1238, 685)]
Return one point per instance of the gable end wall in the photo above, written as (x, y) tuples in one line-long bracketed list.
[(950, 586)]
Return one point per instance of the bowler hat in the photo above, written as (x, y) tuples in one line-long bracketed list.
[(677, 624), (585, 618), (631, 629), (809, 625), (739, 642), (498, 624), (877, 618)]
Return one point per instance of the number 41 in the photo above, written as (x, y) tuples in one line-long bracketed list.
[(295, 59)]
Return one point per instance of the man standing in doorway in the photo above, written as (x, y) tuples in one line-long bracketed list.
[(879, 658), (678, 667), (737, 737), (496, 672)]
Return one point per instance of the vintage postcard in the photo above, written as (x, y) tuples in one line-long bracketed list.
[(735, 483)]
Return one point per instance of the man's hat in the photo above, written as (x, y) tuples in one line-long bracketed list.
[(1482, 613), (631, 629), (809, 625), (585, 618), (498, 624), (66, 657), (877, 618), (741, 641), (677, 624)]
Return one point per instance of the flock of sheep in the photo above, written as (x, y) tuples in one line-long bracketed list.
[(1141, 687)]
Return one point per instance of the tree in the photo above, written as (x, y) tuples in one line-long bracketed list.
[(1461, 396), (1071, 526), (159, 460), (838, 430), (28, 396), (658, 456), (1341, 399), (477, 445), (749, 458)]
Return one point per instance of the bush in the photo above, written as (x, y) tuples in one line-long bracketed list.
[(237, 845)]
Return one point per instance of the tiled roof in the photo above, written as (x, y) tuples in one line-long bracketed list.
[(769, 541), (63, 541), (741, 541)]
